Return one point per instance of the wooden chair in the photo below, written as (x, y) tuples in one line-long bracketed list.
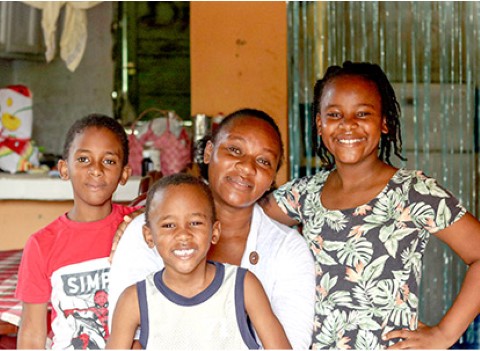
[(145, 183), (7, 328)]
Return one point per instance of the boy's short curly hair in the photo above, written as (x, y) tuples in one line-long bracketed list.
[(175, 180), (99, 121)]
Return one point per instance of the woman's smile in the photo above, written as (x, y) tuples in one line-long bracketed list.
[(239, 182)]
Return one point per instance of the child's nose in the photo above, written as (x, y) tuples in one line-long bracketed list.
[(96, 169), (349, 122), (183, 234)]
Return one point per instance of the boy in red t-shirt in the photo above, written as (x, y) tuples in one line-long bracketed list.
[(66, 262)]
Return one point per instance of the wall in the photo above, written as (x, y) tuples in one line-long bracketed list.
[(15, 233), (239, 59), (60, 96), (5, 72)]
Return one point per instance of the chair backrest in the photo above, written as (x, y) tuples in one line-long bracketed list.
[(140, 200), (145, 183)]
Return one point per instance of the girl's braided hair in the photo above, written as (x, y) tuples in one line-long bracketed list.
[(390, 108)]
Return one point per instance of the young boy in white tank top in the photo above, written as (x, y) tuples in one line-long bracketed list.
[(192, 303)]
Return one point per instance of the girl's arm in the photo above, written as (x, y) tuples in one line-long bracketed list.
[(126, 319), (268, 328), (463, 237), (271, 208), (33, 328)]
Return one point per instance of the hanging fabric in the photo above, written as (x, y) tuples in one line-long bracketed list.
[(74, 36)]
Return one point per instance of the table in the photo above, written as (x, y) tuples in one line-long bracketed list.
[(10, 308)]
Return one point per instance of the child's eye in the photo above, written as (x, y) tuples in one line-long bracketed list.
[(334, 115), (82, 159), (363, 114), (110, 162), (233, 150), (265, 162), (196, 223), (168, 225)]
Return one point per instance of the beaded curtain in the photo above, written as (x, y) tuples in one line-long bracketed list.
[(430, 52)]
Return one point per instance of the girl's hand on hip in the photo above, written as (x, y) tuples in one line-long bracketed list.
[(425, 337)]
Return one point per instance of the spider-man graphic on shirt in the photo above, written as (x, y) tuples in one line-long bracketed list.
[(91, 322)]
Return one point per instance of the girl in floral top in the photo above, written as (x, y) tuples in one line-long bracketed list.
[(367, 223)]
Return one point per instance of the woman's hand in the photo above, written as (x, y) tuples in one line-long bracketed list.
[(121, 229), (425, 337)]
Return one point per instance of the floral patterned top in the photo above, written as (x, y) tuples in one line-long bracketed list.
[(369, 258)]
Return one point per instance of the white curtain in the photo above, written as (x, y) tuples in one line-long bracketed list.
[(74, 35)]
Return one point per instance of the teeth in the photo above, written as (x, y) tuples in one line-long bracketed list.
[(240, 182), (349, 141), (183, 253)]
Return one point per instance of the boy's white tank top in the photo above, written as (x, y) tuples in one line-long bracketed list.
[(215, 319)]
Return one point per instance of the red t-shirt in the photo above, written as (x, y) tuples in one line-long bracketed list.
[(66, 263)]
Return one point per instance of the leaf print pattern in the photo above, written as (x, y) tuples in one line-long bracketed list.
[(429, 186), (443, 216), (391, 237), (355, 251), (375, 269), (333, 330), (366, 340), (368, 259)]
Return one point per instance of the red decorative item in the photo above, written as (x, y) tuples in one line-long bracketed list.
[(22, 89), (175, 153)]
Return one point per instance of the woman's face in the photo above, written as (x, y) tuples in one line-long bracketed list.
[(242, 164)]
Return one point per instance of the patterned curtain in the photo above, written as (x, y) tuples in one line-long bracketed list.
[(430, 52)]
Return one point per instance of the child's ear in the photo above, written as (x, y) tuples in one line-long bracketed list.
[(148, 236), (384, 125), (216, 229), (318, 122), (126, 173), (63, 169), (207, 153)]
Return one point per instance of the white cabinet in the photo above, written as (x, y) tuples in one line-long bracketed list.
[(20, 31)]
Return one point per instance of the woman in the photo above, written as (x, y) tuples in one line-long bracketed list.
[(243, 158)]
